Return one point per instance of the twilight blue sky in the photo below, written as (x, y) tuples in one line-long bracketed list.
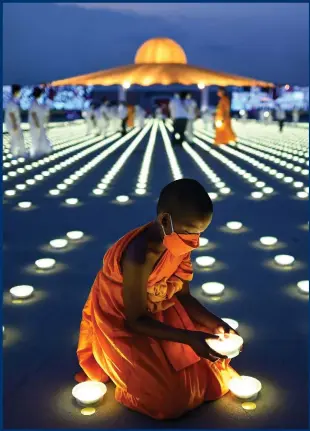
[(43, 42)]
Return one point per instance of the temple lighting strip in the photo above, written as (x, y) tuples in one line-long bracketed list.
[(115, 169), (174, 165), (211, 175), (142, 182), (254, 181), (83, 170), (54, 169)]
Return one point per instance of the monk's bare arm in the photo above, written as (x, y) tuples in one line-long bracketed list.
[(138, 319), (196, 311)]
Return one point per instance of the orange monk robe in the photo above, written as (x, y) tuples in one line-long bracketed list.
[(161, 379), (131, 115), (223, 130)]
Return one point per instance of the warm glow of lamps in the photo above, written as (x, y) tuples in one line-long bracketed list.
[(58, 243), (245, 387), (284, 259), (88, 393), (122, 198), (234, 225), (228, 344), (21, 292), (24, 205), (303, 286), (205, 260), (75, 234), (72, 201), (126, 85), (46, 263), (203, 241), (213, 288), (268, 240)]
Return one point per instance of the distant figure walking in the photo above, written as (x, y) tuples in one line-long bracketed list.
[(102, 114), (223, 131), (179, 115), (40, 144), (123, 115), (13, 124), (192, 111), (139, 117), (280, 116), (86, 114), (295, 115)]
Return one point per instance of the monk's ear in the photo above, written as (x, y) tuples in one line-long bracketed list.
[(162, 218)]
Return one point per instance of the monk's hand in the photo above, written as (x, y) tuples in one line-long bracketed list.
[(224, 329), (198, 342)]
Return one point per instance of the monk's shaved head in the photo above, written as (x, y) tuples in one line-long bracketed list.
[(185, 198)]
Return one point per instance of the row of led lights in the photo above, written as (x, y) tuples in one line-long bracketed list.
[(74, 146), (173, 162), (83, 170), (141, 186), (117, 166), (276, 160), (58, 167), (294, 148), (267, 169), (211, 175), (59, 144), (254, 181)]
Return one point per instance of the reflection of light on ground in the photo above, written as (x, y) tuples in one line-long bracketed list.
[(10, 336), (217, 266), (271, 264), (277, 246), (57, 269), (37, 296)]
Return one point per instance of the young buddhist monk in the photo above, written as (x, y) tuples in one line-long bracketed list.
[(141, 327)]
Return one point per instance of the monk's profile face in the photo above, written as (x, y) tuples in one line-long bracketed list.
[(220, 93), (185, 225)]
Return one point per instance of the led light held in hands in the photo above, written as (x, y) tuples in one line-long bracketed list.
[(228, 344), (231, 322)]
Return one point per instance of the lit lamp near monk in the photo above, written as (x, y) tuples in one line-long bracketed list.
[(88, 393), (245, 387), (284, 259), (227, 344), (219, 123), (75, 235), (268, 240), (231, 322), (122, 198), (72, 201), (303, 286), (203, 241), (213, 288), (46, 263), (257, 195), (234, 225), (21, 292), (205, 261), (58, 243), (24, 205)]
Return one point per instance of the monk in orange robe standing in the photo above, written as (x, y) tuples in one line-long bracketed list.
[(141, 327), (224, 133)]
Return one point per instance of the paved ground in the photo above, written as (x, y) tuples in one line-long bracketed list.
[(41, 333)]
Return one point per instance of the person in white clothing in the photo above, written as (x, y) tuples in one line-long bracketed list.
[(180, 117), (192, 111), (103, 118), (13, 124), (87, 114), (172, 104), (280, 116), (295, 115), (40, 144), (123, 115), (139, 116)]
